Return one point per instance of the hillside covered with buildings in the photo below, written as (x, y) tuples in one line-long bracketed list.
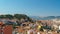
[(21, 23)]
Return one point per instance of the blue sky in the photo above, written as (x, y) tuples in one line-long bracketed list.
[(31, 7)]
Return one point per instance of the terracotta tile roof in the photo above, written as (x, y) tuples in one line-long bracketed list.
[(1, 23)]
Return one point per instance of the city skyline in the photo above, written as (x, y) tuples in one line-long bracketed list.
[(30, 7)]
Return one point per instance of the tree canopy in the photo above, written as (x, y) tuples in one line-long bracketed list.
[(15, 16)]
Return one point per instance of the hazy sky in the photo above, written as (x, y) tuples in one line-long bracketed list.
[(31, 7)]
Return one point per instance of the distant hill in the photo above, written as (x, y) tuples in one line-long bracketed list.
[(44, 18)]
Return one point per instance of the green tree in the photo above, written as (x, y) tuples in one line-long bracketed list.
[(9, 16), (19, 16), (2, 16)]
